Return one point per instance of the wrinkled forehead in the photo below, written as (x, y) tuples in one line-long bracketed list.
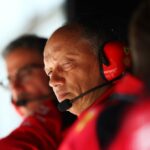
[(51, 49), (60, 42)]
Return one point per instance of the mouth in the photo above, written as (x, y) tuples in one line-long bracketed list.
[(21, 98), (20, 101), (61, 96)]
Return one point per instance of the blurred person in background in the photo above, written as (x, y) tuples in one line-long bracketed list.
[(43, 126)]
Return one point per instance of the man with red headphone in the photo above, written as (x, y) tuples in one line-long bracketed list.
[(124, 123), (83, 66)]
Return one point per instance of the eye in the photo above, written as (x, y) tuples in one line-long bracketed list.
[(49, 74), (67, 65), (47, 71), (24, 74)]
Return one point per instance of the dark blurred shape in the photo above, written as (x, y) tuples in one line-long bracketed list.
[(113, 15)]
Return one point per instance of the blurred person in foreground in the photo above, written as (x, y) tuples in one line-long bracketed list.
[(43, 126), (134, 131), (84, 64)]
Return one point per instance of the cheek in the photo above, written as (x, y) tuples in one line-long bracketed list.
[(22, 111), (83, 77), (91, 76), (43, 79), (82, 81), (38, 85)]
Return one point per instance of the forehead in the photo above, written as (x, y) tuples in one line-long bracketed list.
[(21, 56), (66, 44)]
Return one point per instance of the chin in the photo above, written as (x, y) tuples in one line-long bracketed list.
[(73, 111), (61, 99)]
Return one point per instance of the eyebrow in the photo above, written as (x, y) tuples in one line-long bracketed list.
[(47, 57), (70, 56)]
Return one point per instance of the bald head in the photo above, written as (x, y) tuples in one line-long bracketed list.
[(73, 33)]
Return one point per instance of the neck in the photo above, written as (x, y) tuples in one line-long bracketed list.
[(87, 101)]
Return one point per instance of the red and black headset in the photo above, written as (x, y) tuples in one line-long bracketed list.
[(114, 59)]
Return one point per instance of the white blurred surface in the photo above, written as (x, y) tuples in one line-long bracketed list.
[(17, 17)]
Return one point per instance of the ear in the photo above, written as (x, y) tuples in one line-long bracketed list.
[(114, 59)]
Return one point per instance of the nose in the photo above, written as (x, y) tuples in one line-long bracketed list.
[(57, 79)]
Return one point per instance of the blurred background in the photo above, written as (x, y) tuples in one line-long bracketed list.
[(42, 17), (16, 18)]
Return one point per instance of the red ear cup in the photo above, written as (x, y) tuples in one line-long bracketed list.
[(119, 59)]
